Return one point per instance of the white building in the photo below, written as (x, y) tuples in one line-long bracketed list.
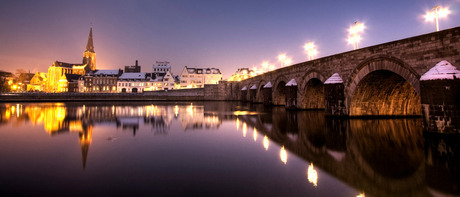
[(197, 77), (132, 82), (168, 81), (161, 67), (141, 82)]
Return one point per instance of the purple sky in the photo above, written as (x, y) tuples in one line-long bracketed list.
[(200, 33)]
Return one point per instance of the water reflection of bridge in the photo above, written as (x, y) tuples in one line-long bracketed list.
[(383, 157)]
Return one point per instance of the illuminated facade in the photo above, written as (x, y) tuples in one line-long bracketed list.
[(38, 82), (57, 72), (197, 77)]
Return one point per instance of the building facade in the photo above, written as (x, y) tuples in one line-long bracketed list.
[(68, 83), (101, 81), (132, 82), (198, 77), (161, 67), (38, 82)]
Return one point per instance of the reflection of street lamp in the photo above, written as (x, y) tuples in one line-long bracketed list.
[(353, 31), (310, 49), (283, 155), (312, 175), (436, 12)]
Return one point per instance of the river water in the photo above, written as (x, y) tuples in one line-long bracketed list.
[(216, 149)]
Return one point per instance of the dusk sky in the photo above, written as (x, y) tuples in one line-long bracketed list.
[(200, 33)]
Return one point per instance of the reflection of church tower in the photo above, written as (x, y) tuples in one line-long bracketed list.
[(89, 56), (85, 141)]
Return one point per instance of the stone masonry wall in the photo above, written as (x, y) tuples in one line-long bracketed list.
[(409, 58)]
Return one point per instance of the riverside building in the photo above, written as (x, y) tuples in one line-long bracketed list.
[(198, 77), (102, 81), (59, 74)]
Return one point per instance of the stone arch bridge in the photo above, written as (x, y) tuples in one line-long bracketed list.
[(380, 80)]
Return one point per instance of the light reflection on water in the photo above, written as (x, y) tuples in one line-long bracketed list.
[(199, 149)]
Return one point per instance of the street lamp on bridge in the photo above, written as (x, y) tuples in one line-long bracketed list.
[(310, 49), (353, 34), (281, 59), (284, 60), (435, 13)]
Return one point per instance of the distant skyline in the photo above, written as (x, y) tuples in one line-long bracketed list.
[(205, 33)]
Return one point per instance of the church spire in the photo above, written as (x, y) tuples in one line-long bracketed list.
[(89, 56), (89, 46)]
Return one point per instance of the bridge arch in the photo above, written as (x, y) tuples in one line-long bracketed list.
[(259, 93), (383, 86), (279, 90), (311, 91)]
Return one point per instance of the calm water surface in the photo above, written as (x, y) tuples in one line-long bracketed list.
[(216, 149)]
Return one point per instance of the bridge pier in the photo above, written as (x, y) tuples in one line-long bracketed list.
[(244, 94), (335, 96), (267, 92), (440, 98), (252, 94), (291, 94)]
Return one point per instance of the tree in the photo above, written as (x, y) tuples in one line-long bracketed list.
[(4, 77)]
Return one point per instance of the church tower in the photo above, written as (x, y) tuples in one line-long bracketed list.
[(89, 56)]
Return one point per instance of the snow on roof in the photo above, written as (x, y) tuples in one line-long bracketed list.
[(442, 70), (244, 88), (334, 79), (253, 87), (203, 70), (292, 83), (106, 72), (132, 76), (268, 85)]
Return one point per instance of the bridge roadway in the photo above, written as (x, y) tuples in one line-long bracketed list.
[(382, 157), (380, 80)]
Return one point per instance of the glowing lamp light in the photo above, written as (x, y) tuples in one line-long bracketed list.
[(435, 13), (255, 134), (266, 142), (282, 58), (265, 65), (245, 129), (312, 175), (176, 110), (237, 123), (353, 34), (283, 155), (288, 61), (310, 49)]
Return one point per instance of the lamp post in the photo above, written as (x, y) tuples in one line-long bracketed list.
[(310, 49), (435, 13), (282, 59), (353, 34)]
